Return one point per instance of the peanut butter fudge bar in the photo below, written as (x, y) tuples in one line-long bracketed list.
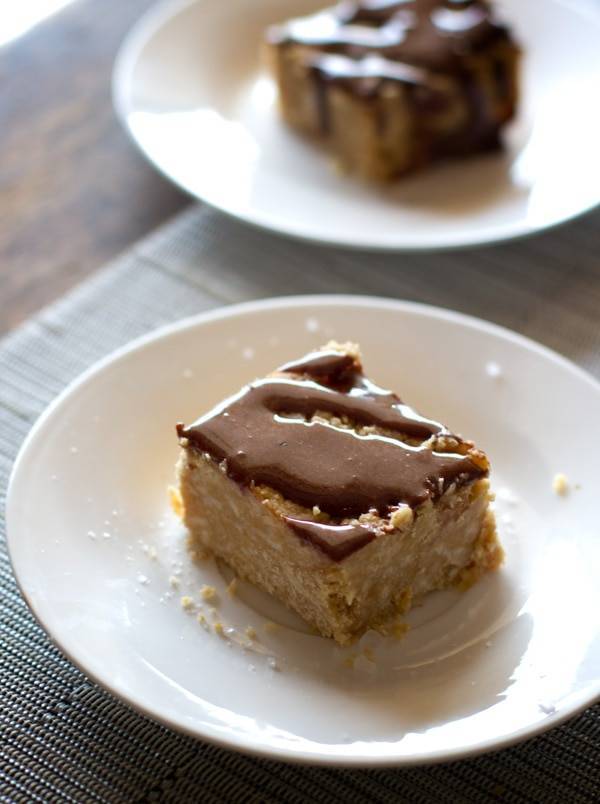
[(391, 86), (336, 497)]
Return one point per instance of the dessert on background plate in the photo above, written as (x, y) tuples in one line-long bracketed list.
[(391, 86), (330, 493)]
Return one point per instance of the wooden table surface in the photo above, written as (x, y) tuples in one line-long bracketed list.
[(74, 192)]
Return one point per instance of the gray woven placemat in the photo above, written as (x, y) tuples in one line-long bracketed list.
[(64, 739)]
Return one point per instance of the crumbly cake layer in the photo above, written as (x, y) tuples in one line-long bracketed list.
[(391, 86), (332, 494), (372, 587)]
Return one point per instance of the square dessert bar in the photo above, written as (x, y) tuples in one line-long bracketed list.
[(333, 495), (390, 86)]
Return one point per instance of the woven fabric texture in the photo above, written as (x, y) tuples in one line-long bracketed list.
[(64, 739)]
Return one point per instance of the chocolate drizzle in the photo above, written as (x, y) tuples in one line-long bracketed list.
[(273, 433)]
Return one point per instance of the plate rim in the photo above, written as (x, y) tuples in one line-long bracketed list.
[(160, 13), (243, 743)]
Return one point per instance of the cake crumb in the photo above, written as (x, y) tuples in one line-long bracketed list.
[(352, 349), (396, 629), (218, 629), (187, 602), (399, 630), (232, 587), (560, 484), (202, 620), (316, 510), (444, 443), (175, 501), (401, 516), (271, 627), (251, 632), (208, 593), (174, 582)]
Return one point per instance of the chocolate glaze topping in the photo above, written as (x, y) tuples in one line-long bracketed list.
[(266, 435), (333, 367), (362, 45), (434, 34), (337, 541)]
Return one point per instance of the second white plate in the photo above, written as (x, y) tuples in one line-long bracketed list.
[(189, 89), (102, 563)]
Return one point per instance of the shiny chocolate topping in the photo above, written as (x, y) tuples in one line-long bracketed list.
[(337, 541), (425, 33), (323, 435), (362, 46)]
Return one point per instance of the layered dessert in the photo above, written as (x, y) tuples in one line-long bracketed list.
[(333, 495), (391, 86)]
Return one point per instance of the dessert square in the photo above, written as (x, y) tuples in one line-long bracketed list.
[(391, 86), (333, 495)]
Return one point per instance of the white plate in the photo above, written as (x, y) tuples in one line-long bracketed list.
[(189, 88), (517, 653)]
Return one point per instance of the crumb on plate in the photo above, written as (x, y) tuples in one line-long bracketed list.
[(175, 501), (271, 627), (560, 484), (208, 593)]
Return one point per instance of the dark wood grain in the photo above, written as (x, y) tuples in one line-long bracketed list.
[(74, 192)]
